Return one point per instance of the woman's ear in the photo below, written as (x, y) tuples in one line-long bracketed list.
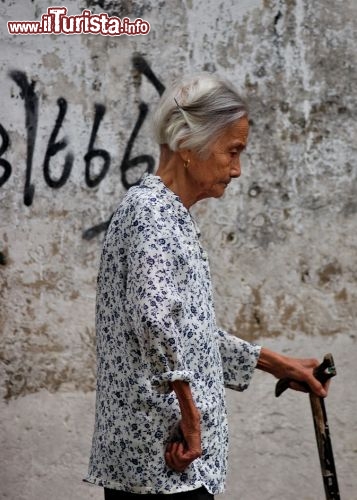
[(185, 154)]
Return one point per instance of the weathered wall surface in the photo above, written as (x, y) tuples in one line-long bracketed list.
[(74, 135)]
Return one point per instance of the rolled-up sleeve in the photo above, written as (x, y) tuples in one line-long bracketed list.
[(154, 299), (239, 359)]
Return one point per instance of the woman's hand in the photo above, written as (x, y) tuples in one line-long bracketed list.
[(185, 449), (299, 370), (179, 454)]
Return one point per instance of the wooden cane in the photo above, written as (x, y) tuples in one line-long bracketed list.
[(323, 372)]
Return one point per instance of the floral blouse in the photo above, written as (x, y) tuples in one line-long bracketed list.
[(156, 323)]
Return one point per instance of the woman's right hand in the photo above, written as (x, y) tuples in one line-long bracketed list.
[(184, 449), (180, 454)]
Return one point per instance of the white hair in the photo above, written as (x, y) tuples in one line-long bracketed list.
[(195, 111)]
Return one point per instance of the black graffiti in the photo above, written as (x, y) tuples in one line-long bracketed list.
[(142, 67), (125, 166), (94, 231), (54, 147), (31, 121), (128, 163), (93, 181), (3, 260), (4, 163)]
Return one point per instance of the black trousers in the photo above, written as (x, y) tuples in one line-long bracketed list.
[(200, 494)]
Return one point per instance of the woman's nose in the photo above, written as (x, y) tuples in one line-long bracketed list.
[(236, 170)]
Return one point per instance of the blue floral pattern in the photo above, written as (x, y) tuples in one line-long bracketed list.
[(156, 323)]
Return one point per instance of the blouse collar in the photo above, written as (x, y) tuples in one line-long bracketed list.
[(155, 182)]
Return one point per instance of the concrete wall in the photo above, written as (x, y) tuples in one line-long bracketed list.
[(282, 241)]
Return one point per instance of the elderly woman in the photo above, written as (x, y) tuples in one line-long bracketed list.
[(163, 363)]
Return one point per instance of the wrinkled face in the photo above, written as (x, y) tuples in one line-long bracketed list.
[(210, 176)]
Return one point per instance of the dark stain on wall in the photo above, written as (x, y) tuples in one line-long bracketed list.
[(328, 273)]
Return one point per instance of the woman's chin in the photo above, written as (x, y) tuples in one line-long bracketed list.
[(220, 189)]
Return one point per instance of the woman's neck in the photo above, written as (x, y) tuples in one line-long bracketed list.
[(175, 177)]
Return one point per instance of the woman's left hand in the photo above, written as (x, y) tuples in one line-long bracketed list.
[(296, 369)]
